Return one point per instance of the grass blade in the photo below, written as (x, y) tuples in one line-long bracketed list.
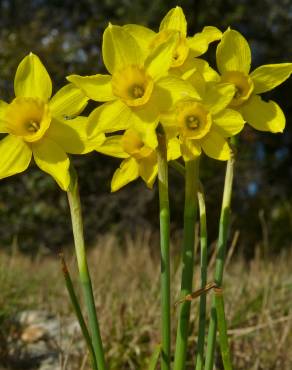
[(154, 358), (77, 310)]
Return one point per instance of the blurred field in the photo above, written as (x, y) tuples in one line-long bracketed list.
[(258, 297)]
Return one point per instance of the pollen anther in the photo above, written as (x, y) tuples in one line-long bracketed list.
[(192, 122), (33, 126)]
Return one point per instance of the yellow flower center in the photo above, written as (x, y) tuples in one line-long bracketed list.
[(243, 86), (27, 117), (194, 119), (134, 146), (181, 50), (132, 85)]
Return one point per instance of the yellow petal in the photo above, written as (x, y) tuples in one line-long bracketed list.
[(159, 61), (218, 96), (263, 116), (177, 89), (143, 36), (112, 146), (128, 171), (67, 102), (148, 169), (173, 149), (109, 117), (266, 77), (97, 87), (15, 156), (190, 149), (144, 120), (51, 158), (233, 53), (192, 65), (3, 107), (215, 146), (120, 49), (32, 79), (174, 20), (228, 122), (199, 43), (71, 135)]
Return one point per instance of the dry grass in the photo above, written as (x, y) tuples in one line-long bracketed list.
[(257, 294)]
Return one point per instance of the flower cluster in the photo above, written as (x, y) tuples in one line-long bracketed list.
[(155, 78)]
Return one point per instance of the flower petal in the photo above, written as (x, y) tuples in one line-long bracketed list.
[(144, 120), (67, 102), (160, 59), (3, 106), (177, 89), (199, 43), (233, 53), (192, 65), (97, 87), (173, 149), (15, 156), (32, 79), (109, 117), (215, 146), (112, 146), (142, 35), (71, 135), (51, 158), (148, 169), (218, 96), (266, 77), (128, 171), (228, 122), (120, 49), (263, 116), (190, 149), (174, 20)]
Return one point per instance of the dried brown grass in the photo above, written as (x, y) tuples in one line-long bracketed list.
[(258, 296)]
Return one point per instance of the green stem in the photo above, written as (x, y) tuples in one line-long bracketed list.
[(164, 245), (204, 266), (77, 226), (190, 211), (222, 329), (78, 312), (219, 267), (154, 358)]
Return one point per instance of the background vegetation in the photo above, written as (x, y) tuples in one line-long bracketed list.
[(257, 299), (67, 37)]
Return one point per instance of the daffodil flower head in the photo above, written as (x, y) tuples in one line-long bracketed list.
[(37, 125), (194, 119), (205, 124), (132, 85), (233, 57), (186, 48), (138, 89)]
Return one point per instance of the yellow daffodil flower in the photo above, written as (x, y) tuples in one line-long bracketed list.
[(233, 61), (205, 125), (139, 159), (138, 88), (39, 126), (186, 48)]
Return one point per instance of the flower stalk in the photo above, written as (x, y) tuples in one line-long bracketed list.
[(78, 312), (219, 267), (164, 215), (190, 212), (77, 226), (203, 266)]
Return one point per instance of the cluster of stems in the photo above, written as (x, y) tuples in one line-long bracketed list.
[(194, 198)]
